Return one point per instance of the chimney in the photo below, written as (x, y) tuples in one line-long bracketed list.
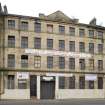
[(41, 15), (5, 10), (93, 21), (1, 11)]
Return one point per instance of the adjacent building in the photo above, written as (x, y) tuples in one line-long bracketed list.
[(50, 57)]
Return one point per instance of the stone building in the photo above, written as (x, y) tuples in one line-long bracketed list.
[(50, 57)]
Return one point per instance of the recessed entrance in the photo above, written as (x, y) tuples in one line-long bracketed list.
[(33, 86), (47, 88)]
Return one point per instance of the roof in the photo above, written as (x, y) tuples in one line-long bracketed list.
[(57, 16)]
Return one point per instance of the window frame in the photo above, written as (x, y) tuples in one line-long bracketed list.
[(24, 42), (91, 84), (91, 48), (11, 82), (24, 26), (11, 60), (72, 82), (37, 27), (100, 82), (37, 61), (91, 33), (72, 31), (82, 82), (61, 45), (72, 63), (81, 46), (24, 62), (49, 44), (72, 46), (11, 41), (81, 32), (49, 62), (50, 28), (61, 62), (100, 65), (37, 43), (61, 82), (82, 64), (61, 29), (11, 24), (100, 48)]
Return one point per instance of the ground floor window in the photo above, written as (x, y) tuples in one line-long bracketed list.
[(81, 82), (22, 84), (100, 83), (61, 82), (72, 82), (11, 82), (91, 84)]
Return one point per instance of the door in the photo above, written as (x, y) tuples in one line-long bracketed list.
[(33, 86), (47, 89)]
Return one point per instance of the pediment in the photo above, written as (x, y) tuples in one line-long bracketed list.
[(59, 16)]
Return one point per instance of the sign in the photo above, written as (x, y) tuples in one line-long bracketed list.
[(59, 74), (22, 75), (48, 78), (92, 77), (22, 81), (56, 53)]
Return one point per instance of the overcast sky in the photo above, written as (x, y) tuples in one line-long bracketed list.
[(84, 10)]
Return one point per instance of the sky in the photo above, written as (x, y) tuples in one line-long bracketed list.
[(84, 10)]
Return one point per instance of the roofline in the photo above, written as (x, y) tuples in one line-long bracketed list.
[(35, 18)]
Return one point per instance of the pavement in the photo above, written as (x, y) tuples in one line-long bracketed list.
[(54, 102)]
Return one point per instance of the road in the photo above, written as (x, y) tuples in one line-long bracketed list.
[(54, 102)]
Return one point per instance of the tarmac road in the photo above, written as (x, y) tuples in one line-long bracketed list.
[(54, 102)]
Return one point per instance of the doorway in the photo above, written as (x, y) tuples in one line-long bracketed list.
[(33, 86), (47, 89)]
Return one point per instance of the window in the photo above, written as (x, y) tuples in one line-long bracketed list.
[(91, 64), (91, 47), (82, 64), (72, 46), (91, 84), (61, 82), (100, 65), (37, 61), (81, 32), (37, 27), (24, 61), (49, 28), (91, 33), (62, 29), (24, 26), (11, 82), (81, 46), (71, 63), (100, 34), (61, 62), (50, 44), (100, 48), (81, 82), (11, 60), (22, 84), (24, 42), (11, 24), (100, 83), (72, 82), (72, 31), (37, 43), (49, 62), (11, 41), (61, 45)]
